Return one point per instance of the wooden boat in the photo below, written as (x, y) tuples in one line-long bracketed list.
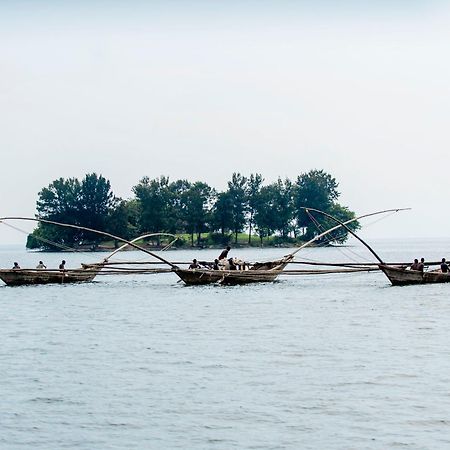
[(87, 272), (264, 272), (258, 272), (399, 275), (402, 276), (253, 273), (21, 277)]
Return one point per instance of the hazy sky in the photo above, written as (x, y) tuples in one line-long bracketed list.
[(199, 90)]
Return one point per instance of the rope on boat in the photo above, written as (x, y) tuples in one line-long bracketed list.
[(39, 238), (301, 262), (352, 255), (104, 233)]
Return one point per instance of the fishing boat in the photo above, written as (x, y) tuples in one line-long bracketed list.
[(86, 273), (20, 277), (244, 273), (264, 272), (399, 274), (402, 276)]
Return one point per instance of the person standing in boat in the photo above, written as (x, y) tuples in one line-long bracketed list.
[(224, 253), (444, 267), (62, 266), (16, 266), (415, 265), (41, 265)]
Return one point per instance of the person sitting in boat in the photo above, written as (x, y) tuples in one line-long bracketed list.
[(194, 265), (421, 265), (231, 265), (444, 267), (16, 266), (415, 265), (41, 265), (239, 263), (216, 264), (62, 266), (224, 253)]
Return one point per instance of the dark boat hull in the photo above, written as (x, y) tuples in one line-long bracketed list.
[(25, 277), (399, 276), (260, 273)]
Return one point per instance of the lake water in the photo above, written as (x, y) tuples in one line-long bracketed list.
[(308, 362)]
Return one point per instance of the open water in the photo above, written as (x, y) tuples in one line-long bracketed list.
[(144, 362)]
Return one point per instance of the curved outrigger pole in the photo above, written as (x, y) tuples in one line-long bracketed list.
[(127, 244), (104, 233), (344, 225)]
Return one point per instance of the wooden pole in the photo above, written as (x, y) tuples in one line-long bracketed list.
[(343, 224), (104, 233), (137, 239)]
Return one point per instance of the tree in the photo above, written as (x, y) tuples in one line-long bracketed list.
[(315, 189), (85, 204), (253, 191), (343, 214), (222, 218), (237, 195), (95, 203), (274, 210), (263, 213), (197, 202), (58, 202), (282, 206), (177, 206), (153, 197), (122, 220)]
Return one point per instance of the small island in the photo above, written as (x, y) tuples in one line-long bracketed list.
[(249, 212)]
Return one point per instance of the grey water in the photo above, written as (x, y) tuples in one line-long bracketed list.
[(308, 362)]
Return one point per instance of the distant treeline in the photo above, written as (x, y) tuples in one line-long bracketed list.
[(271, 212)]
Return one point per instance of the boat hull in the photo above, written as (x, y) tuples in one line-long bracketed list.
[(399, 276), (25, 277), (259, 273)]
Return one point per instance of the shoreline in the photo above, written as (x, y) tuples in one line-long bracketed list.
[(104, 249)]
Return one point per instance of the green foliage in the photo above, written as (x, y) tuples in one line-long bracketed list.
[(222, 218), (238, 202), (196, 201), (315, 189), (174, 207), (343, 214), (153, 197), (273, 211), (86, 203), (253, 192), (281, 206), (221, 239), (121, 220)]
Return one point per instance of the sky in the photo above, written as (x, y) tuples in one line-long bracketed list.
[(202, 89)]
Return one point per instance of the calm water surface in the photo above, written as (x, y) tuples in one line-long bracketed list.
[(144, 362)]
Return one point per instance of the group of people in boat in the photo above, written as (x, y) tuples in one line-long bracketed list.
[(416, 265), (420, 266), (220, 263), (41, 266)]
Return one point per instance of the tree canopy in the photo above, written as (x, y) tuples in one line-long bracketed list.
[(190, 208), (86, 203)]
